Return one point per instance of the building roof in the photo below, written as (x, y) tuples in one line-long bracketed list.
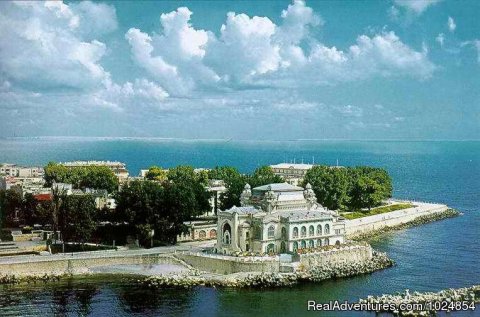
[(278, 187), (293, 166), (243, 210), (43, 197), (294, 215)]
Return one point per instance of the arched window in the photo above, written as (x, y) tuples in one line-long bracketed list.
[(304, 244), (226, 234), (311, 231), (327, 241), (271, 232), (327, 229), (270, 248), (213, 233), (247, 235), (310, 244), (303, 231), (319, 230), (202, 234), (295, 246), (319, 242), (337, 242), (283, 247), (295, 232), (284, 233)]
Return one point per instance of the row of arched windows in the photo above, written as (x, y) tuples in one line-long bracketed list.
[(311, 231), (310, 244)]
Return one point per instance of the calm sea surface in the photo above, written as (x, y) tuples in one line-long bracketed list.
[(429, 258)]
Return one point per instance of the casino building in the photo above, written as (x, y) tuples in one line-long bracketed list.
[(277, 218)]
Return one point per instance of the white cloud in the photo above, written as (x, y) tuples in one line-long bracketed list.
[(380, 55), (416, 6), (247, 44), (451, 24), (350, 111), (254, 51), (440, 39), (43, 44), (120, 97)]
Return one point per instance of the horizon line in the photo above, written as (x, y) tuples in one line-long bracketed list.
[(233, 139)]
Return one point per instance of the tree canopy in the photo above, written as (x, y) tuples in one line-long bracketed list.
[(77, 218), (163, 207), (156, 173), (98, 177), (349, 187)]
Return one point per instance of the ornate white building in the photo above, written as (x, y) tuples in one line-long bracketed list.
[(277, 218)]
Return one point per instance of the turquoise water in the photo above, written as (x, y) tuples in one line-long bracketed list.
[(429, 258)]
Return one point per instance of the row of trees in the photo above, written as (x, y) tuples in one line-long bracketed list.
[(349, 188), (98, 177), (163, 204), (73, 216)]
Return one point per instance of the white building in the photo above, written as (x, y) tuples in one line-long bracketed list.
[(294, 173), (278, 218), (291, 172), (21, 171)]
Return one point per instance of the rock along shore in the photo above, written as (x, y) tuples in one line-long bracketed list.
[(261, 279), (449, 213), (446, 300)]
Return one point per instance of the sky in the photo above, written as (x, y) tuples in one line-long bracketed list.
[(246, 70)]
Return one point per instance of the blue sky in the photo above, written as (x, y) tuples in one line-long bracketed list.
[(241, 69)]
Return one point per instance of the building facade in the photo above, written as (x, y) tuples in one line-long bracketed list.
[(277, 218)]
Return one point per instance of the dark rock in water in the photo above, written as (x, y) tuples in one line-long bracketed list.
[(446, 300)]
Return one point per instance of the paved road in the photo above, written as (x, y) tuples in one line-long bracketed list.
[(189, 246)]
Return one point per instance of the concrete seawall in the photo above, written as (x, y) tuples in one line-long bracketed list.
[(221, 265), (79, 265), (347, 255), (368, 224)]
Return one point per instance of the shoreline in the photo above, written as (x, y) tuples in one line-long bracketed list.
[(421, 220), (194, 277)]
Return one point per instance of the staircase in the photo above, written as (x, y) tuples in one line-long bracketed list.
[(8, 248)]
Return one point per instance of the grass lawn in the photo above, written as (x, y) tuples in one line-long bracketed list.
[(375, 211)]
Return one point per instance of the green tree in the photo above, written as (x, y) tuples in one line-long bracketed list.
[(365, 193), (148, 205), (98, 177), (234, 184), (369, 186), (29, 209), (156, 173), (76, 218), (11, 204), (329, 184), (264, 175)]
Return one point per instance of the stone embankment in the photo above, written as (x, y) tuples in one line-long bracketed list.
[(420, 220), (445, 300), (272, 279), (17, 279)]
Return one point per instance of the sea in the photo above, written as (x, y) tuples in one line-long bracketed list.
[(431, 257)]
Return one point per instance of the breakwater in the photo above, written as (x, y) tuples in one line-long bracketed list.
[(417, 221), (272, 279), (426, 304)]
